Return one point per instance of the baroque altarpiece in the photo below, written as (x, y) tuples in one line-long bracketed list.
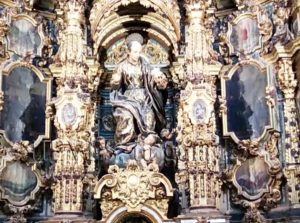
[(149, 111)]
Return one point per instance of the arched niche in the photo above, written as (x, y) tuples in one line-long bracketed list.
[(146, 215), (26, 91), (158, 56), (160, 29), (161, 36), (110, 20)]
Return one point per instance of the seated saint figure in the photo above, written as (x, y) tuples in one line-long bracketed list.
[(137, 102)]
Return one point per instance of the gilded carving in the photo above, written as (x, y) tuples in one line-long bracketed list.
[(182, 36), (178, 72), (72, 111), (104, 20), (198, 154), (4, 28), (199, 52), (280, 20), (288, 83), (133, 188), (154, 52), (264, 176)]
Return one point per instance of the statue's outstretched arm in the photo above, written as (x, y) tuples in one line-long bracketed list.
[(116, 78)]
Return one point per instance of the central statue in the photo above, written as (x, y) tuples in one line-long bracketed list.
[(138, 108)]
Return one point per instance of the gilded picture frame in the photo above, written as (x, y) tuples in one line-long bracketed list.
[(253, 100), (44, 78)]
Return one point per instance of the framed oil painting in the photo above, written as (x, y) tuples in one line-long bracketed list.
[(248, 114), (199, 111), (243, 34), (252, 178), (18, 182), (26, 91), (25, 36)]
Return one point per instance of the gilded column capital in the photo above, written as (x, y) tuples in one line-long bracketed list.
[(197, 10)]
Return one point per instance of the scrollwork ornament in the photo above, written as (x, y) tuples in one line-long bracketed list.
[(198, 153), (265, 155), (18, 213), (133, 187), (21, 150), (265, 27)]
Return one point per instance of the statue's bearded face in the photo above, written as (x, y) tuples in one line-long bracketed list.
[(135, 50)]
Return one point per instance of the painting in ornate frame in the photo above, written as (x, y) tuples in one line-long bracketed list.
[(70, 116), (243, 34), (251, 177), (25, 87), (248, 115), (26, 36), (19, 181)]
